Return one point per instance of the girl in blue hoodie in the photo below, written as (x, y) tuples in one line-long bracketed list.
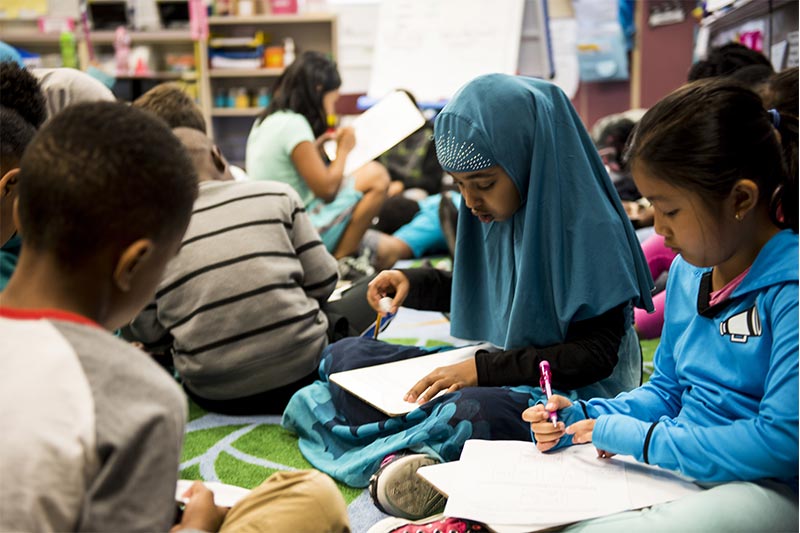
[(722, 405)]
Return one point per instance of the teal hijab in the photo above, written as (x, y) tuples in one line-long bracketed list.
[(569, 252)]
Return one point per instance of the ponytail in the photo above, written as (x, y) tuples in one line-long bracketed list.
[(783, 206)]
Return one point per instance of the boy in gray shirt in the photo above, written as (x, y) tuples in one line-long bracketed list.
[(92, 427), (240, 306)]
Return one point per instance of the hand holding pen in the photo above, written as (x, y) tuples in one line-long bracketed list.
[(385, 305), (547, 435), (545, 432)]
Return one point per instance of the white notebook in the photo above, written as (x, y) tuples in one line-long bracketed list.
[(381, 127), (224, 495), (383, 386), (513, 487)]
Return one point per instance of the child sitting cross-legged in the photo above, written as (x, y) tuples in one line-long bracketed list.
[(722, 404), (240, 308), (92, 427)]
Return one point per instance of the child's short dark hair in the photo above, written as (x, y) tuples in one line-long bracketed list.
[(171, 104), (301, 86), (99, 176), (725, 60), (20, 91), (615, 135), (709, 134), (15, 135)]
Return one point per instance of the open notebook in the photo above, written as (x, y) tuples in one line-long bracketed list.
[(383, 386)]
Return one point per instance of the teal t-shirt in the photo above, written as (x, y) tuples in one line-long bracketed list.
[(269, 150)]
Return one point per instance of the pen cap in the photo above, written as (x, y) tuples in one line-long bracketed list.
[(544, 369), (385, 305), (544, 373)]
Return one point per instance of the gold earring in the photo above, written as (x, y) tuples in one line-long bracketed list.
[(738, 217)]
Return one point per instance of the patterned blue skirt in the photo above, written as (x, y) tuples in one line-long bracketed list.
[(347, 438)]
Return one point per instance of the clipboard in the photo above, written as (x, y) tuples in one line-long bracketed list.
[(383, 386), (380, 128)]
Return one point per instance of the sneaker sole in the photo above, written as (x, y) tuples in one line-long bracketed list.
[(399, 491)]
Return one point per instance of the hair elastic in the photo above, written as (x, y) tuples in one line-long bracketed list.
[(776, 118)]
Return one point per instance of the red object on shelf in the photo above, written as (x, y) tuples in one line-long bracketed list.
[(283, 7)]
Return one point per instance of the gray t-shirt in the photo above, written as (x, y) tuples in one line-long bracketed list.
[(92, 429), (239, 307)]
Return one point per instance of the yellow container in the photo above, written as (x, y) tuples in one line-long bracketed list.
[(273, 57)]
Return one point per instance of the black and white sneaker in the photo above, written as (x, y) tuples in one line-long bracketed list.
[(397, 490), (355, 268)]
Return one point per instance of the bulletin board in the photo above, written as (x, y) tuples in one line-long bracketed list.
[(432, 48)]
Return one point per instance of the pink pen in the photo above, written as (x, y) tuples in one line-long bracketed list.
[(544, 383)]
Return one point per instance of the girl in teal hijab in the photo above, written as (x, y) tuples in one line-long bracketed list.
[(567, 253), (546, 267)]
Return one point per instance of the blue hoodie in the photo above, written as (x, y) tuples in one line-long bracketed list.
[(722, 404)]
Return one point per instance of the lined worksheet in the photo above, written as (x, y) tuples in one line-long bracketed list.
[(511, 483)]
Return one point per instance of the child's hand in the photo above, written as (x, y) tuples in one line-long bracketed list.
[(386, 283), (450, 378), (545, 434), (325, 137), (200, 512), (641, 212), (345, 140), (582, 433)]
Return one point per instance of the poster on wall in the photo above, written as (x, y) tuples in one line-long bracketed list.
[(22, 9), (602, 54)]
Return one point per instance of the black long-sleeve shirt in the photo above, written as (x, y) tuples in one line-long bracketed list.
[(587, 355)]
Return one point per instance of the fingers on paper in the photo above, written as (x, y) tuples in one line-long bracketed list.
[(420, 387), (581, 431), (195, 489), (431, 385), (602, 454)]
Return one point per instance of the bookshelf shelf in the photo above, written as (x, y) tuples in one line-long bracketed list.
[(236, 111), (255, 20), (245, 72)]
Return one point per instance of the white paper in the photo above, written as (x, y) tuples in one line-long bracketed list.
[(381, 127), (384, 386), (224, 495), (511, 483)]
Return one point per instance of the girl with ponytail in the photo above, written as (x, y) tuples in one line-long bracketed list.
[(722, 404)]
